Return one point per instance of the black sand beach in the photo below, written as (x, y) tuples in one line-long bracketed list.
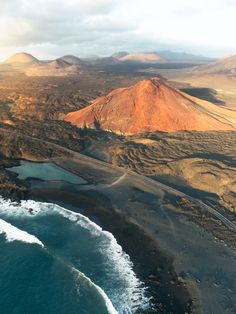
[(153, 265), (168, 249)]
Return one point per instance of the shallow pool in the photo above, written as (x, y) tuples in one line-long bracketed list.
[(45, 171)]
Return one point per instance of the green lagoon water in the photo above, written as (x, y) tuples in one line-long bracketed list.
[(45, 171)]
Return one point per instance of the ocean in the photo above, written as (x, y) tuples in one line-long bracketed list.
[(53, 260)]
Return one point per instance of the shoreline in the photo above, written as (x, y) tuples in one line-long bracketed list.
[(169, 249), (167, 292)]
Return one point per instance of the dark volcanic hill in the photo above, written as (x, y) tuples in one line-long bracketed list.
[(59, 63), (71, 60), (152, 105)]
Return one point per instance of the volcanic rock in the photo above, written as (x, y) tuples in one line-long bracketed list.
[(152, 105)]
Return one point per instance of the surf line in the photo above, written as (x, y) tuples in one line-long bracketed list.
[(14, 234), (109, 305)]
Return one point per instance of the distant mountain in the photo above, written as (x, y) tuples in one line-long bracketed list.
[(143, 57), (123, 56), (72, 60), (120, 54), (57, 67), (29, 65), (182, 56), (159, 56), (226, 66), (59, 64), (22, 58), (152, 105), (103, 61)]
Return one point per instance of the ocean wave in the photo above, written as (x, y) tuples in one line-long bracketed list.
[(133, 296), (14, 234), (107, 301)]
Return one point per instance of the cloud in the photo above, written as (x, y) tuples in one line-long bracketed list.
[(54, 27)]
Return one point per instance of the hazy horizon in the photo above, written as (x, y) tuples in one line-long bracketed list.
[(97, 55), (49, 29)]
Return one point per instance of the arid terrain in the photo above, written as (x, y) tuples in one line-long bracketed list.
[(165, 129), (35, 106), (214, 81), (152, 105)]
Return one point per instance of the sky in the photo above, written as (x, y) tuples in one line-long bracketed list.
[(52, 28)]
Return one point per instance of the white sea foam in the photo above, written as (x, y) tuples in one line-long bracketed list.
[(108, 303), (14, 234), (132, 296)]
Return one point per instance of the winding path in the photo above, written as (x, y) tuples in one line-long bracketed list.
[(156, 183)]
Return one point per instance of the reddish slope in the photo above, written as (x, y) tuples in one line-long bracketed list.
[(59, 64), (152, 105)]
